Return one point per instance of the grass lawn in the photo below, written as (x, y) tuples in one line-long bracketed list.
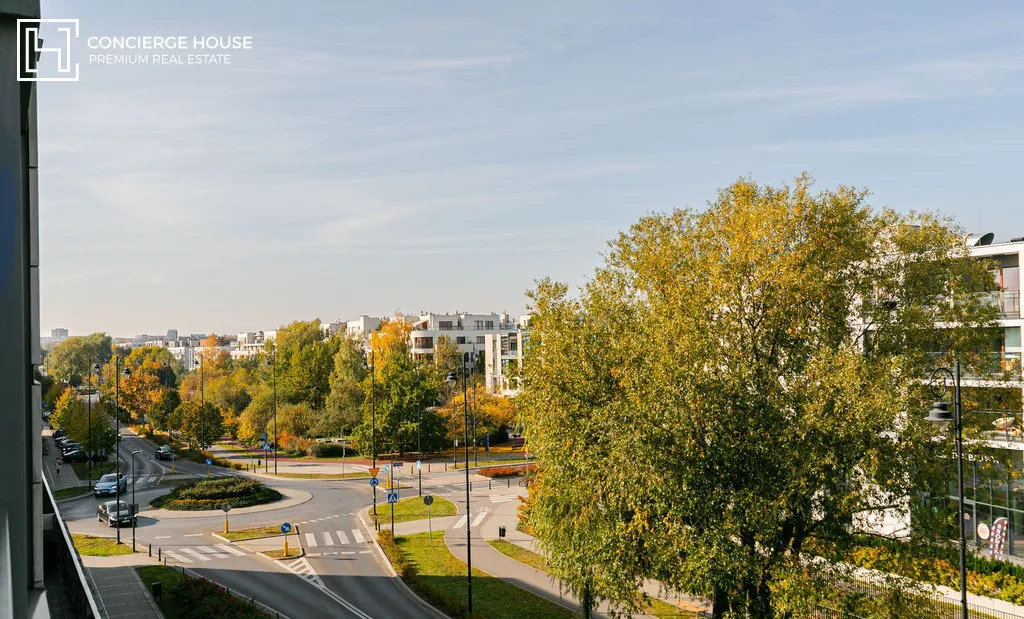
[(98, 468), (279, 554), (522, 555), (656, 607), (440, 576), (68, 493), (92, 546), (413, 508), (195, 597), (327, 476), (254, 533)]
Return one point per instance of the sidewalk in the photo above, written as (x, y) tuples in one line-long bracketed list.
[(122, 595), (67, 477)]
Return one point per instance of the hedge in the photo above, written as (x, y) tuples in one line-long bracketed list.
[(213, 493), (506, 471)]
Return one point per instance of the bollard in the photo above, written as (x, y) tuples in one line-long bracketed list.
[(508, 482), (157, 590), (158, 557), (151, 550), (488, 484), (445, 467)]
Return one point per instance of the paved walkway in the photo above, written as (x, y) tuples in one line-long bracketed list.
[(67, 477), (122, 594)]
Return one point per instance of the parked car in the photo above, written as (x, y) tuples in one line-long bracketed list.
[(75, 455), (165, 453), (110, 484), (59, 433), (115, 514), (70, 446)]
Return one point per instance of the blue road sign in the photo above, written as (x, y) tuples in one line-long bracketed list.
[(374, 482), (264, 437), (285, 528), (209, 462), (398, 465), (417, 465), (392, 497), (266, 446), (386, 468)]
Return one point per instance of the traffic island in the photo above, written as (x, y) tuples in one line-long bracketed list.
[(247, 534), (273, 547), (211, 494), (412, 508)]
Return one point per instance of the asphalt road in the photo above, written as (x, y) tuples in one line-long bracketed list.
[(346, 578)]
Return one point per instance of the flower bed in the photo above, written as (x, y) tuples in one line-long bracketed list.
[(506, 471), (186, 597), (214, 493)]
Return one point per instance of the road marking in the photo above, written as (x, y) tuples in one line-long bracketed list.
[(176, 557), (195, 534), (195, 554), (162, 537), (358, 536), (311, 540), (462, 521), (503, 498), (479, 518), (211, 552), (303, 522), (365, 552), (342, 538), (234, 551), (328, 540), (330, 554), (348, 552), (313, 554)]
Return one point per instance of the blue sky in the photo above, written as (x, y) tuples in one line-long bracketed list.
[(368, 157)]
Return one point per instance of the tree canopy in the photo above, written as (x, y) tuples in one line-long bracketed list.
[(735, 384)]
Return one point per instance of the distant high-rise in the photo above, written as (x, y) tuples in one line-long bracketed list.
[(58, 335), (172, 335)]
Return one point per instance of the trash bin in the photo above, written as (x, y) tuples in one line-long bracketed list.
[(501, 531), (157, 590)]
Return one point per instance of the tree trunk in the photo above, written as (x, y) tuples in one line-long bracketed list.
[(719, 604)]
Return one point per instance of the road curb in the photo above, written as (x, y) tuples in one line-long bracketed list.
[(75, 498), (383, 558)]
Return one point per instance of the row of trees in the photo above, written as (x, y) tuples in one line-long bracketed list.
[(729, 394), (321, 387), (70, 413)]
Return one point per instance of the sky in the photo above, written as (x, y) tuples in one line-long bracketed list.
[(374, 157)]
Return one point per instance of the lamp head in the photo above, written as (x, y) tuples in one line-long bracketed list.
[(940, 416), (451, 380)]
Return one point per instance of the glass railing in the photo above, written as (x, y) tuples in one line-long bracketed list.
[(991, 365), (1008, 302), (67, 589)]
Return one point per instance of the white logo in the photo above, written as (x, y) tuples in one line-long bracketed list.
[(55, 58)]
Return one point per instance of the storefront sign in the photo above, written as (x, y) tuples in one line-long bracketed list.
[(998, 537)]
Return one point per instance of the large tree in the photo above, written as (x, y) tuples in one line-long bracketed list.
[(734, 384), (345, 400), (70, 360)]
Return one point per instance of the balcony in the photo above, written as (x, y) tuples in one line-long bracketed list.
[(996, 425), (1007, 301), (986, 365)]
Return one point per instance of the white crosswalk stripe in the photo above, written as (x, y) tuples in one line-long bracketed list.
[(213, 553), (303, 569), (311, 540), (176, 557), (503, 498), (342, 538), (358, 535), (461, 521), (480, 517), (195, 554), (231, 549), (328, 541)]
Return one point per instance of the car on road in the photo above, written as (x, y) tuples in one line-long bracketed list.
[(110, 484), (165, 453), (70, 446), (75, 455), (116, 514)]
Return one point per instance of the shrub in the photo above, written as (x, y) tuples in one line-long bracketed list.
[(506, 471), (213, 493), (328, 450)]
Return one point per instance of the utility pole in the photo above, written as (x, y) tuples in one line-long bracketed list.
[(373, 428)]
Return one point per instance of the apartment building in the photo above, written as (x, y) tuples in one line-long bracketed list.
[(503, 358), (467, 331), (251, 343)]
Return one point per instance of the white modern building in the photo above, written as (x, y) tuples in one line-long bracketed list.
[(503, 360), (251, 343), (362, 327), (467, 331)]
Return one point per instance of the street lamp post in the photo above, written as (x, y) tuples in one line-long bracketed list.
[(134, 453), (373, 429), (272, 362), (117, 433), (89, 448), (419, 448), (941, 418), (475, 453), (469, 540), (202, 406)]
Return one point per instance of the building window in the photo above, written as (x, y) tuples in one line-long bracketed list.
[(465, 357), (460, 340), (479, 339), (479, 324), (445, 325), (423, 342), (490, 324)]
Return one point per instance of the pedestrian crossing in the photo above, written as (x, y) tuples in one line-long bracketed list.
[(475, 522), (504, 498), (201, 554), (144, 479), (333, 538)]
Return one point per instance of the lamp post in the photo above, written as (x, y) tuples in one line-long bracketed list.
[(117, 434), (202, 406), (92, 367), (272, 362), (419, 448), (137, 451), (940, 417), (451, 379), (373, 429)]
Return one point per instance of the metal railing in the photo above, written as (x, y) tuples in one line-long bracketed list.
[(996, 425), (68, 590), (1008, 302), (990, 365)]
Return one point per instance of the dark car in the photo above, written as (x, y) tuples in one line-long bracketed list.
[(70, 446), (59, 433), (115, 514), (165, 453), (75, 455), (110, 484)]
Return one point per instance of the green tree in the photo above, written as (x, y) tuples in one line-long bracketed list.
[(403, 390), (344, 404), (707, 407), (69, 360), (200, 425)]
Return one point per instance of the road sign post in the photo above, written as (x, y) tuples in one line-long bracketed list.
[(208, 463), (286, 528), (427, 500), (226, 507)]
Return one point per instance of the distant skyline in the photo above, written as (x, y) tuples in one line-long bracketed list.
[(365, 158)]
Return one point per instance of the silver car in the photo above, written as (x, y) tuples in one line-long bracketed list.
[(109, 485), (116, 514)]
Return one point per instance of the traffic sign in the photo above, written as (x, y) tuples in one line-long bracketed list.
[(225, 507), (386, 468), (428, 499), (264, 437), (285, 528), (373, 471), (417, 465), (392, 497), (398, 465), (266, 446), (374, 482), (209, 462)]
